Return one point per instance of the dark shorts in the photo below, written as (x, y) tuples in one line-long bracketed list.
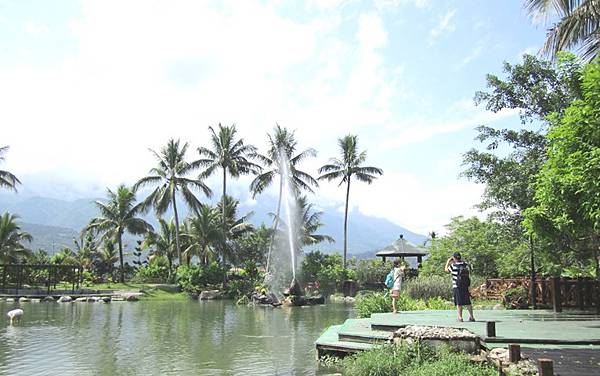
[(461, 296)]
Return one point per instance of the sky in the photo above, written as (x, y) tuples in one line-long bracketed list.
[(87, 87)]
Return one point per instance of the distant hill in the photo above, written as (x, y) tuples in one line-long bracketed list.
[(49, 238), (55, 222)]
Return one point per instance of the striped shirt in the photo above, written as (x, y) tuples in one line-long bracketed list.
[(453, 269)]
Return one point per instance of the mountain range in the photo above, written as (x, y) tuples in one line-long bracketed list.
[(54, 223)]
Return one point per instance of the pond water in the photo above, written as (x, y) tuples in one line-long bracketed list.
[(160, 338)]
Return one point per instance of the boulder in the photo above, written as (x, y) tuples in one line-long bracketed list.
[(105, 299), (81, 299), (9, 300), (132, 298), (65, 299), (349, 300), (24, 299), (210, 295), (49, 299), (458, 339)]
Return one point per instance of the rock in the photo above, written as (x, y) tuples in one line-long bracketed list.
[(132, 298), (349, 300), (24, 299), (49, 299), (81, 299), (36, 300), (118, 299), (210, 295), (9, 300), (435, 336), (92, 299), (105, 299), (65, 299)]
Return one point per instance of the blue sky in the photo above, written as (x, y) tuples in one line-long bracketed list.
[(88, 86)]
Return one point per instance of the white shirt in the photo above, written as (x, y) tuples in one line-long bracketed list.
[(397, 279)]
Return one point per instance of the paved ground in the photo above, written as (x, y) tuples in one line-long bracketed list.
[(569, 362), (510, 324)]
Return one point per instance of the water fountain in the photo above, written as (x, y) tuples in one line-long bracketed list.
[(284, 247)]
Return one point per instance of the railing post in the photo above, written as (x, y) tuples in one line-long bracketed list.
[(514, 353), (556, 295), (490, 329), (545, 367)]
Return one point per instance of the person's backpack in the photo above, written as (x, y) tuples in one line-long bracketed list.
[(464, 277), (389, 279)]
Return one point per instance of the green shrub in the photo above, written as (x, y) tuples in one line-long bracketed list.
[(192, 278), (328, 270), (371, 272), (429, 286), (370, 303), (152, 273), (416, 359)]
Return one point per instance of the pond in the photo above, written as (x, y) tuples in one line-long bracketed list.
[(159, 338)]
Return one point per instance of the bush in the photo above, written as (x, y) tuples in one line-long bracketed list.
[(368, 304), (416, 359), (429, 286), (516, 298), (381, 302), (326, 269), (372, 272), (153, 273), (192, 278)]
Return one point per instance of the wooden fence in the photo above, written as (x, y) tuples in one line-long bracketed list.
[(579, 293)]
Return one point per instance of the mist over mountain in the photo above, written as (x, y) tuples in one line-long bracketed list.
[(54, 222)]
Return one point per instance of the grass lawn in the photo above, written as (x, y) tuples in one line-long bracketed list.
[(154, 292)]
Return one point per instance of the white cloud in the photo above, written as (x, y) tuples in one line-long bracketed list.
[(460, 116), (474, 54), (35, 28), (444, 25)]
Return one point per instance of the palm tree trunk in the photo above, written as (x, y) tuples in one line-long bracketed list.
[(346, 223), (223, 219), (176, 226), (275, 222), (119, 235)]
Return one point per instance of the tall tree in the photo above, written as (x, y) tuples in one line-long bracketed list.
[(235, 226), (170, 176), (202, 233), (568, 188), (536, 89), (310, 223), (229, 154), (12, 238), (118, 215), (344, 168), (282, 145), (578, 27), (163, 242), (7, 180)]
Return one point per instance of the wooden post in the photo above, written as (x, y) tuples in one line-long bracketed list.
[(490, 329), (579, 292), (545, 367), (556, 295), (514, 353)]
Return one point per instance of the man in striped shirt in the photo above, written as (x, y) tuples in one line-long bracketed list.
[(460, 288)]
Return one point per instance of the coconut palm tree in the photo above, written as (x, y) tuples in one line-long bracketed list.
[(229, 154), (282, 147), (7, 180), (202, 232), (163, 242), (117, 216), (171, 177), (234, 227), (344, 168), (106, 258), (310, 223), (579, 26), (12, 248)]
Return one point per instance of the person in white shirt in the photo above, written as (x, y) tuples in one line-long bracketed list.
[(398, 274)]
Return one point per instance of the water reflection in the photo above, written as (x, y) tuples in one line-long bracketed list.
[(157, 338)]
